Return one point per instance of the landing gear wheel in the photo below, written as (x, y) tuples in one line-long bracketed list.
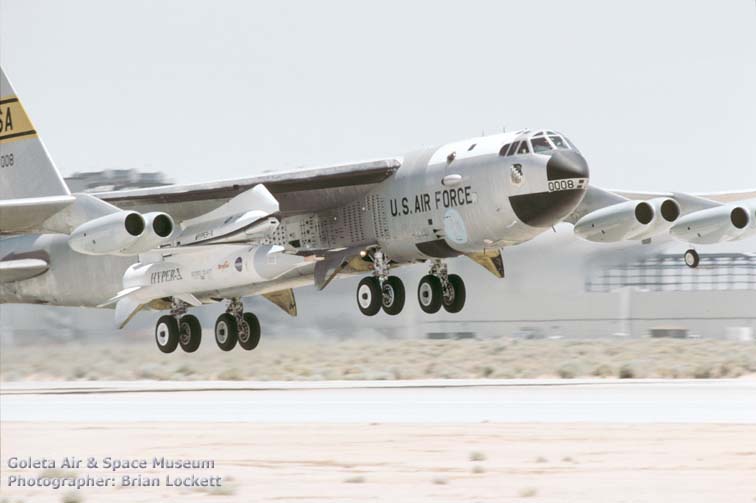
[(249, 336), (691, 258), (455, 300), (166, 334), (226, 332), (369, 296), (392, 298), (189, 333), (430, 294)]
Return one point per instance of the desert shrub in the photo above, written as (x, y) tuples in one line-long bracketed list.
[(477, 456), (603, 370), (568, 370), (231, 374), (702, 371), (627, 371), (528, 492)]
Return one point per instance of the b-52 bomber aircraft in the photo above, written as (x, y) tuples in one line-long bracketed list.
[(177, 247)]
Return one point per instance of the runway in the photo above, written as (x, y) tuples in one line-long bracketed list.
[(436, 401)]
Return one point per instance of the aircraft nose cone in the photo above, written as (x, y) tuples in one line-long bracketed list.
[(565, 164), (544, 209)]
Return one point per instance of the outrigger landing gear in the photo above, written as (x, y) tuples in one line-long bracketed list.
[(439, 288), (380, 290), (692, 259), (178, 328), (237, 326)]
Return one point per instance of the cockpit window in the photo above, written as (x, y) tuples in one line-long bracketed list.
[(504, 149), (513, 148), (541, 145), (558, 142), (523, 149)]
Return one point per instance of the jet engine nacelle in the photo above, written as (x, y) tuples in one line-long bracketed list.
[(715, 225), (158, 229), (630, 220), (122, 233)]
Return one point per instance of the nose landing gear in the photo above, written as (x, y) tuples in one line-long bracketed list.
[(438, 288), (380, 290)]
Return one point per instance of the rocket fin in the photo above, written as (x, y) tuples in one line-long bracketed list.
[(125, 309), (189, 299), (120, 295)]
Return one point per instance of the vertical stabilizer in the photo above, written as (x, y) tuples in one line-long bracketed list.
[(31, 189)]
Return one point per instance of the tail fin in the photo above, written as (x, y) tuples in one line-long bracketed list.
[(31, 189)]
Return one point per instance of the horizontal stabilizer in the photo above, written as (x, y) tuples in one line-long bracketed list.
[(28, 214), (20, 269)]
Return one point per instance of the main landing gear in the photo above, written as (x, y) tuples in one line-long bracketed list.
[(437, 289), (237, 326), (181, 329), (380, 290), (178, 328)]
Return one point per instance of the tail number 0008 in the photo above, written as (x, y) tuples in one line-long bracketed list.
[(557, 185)]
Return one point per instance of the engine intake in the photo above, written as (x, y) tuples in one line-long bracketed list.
[(122, 233), (630, 220), (715, 225)]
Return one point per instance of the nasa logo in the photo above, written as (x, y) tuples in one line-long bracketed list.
[(238, 264)]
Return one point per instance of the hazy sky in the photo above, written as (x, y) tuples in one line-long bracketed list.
[(658, 95)]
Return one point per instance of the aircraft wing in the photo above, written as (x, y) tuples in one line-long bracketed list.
[(22, 268), (297, 192), (610, 216), (597, 198)]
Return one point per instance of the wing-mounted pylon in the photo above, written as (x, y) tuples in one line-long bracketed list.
[(246, 217)]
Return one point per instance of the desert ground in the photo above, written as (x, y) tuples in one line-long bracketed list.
[(372, 359), (487, 462), (484, 461)]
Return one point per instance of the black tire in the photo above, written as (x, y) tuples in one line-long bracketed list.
[(166, 334), (430, 294), (226, 332), (189, 333), (691, 258), (392, 295), (369, 296), (457, 300), (250, 338)]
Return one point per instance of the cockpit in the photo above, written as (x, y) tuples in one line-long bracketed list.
[(538, 142)]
